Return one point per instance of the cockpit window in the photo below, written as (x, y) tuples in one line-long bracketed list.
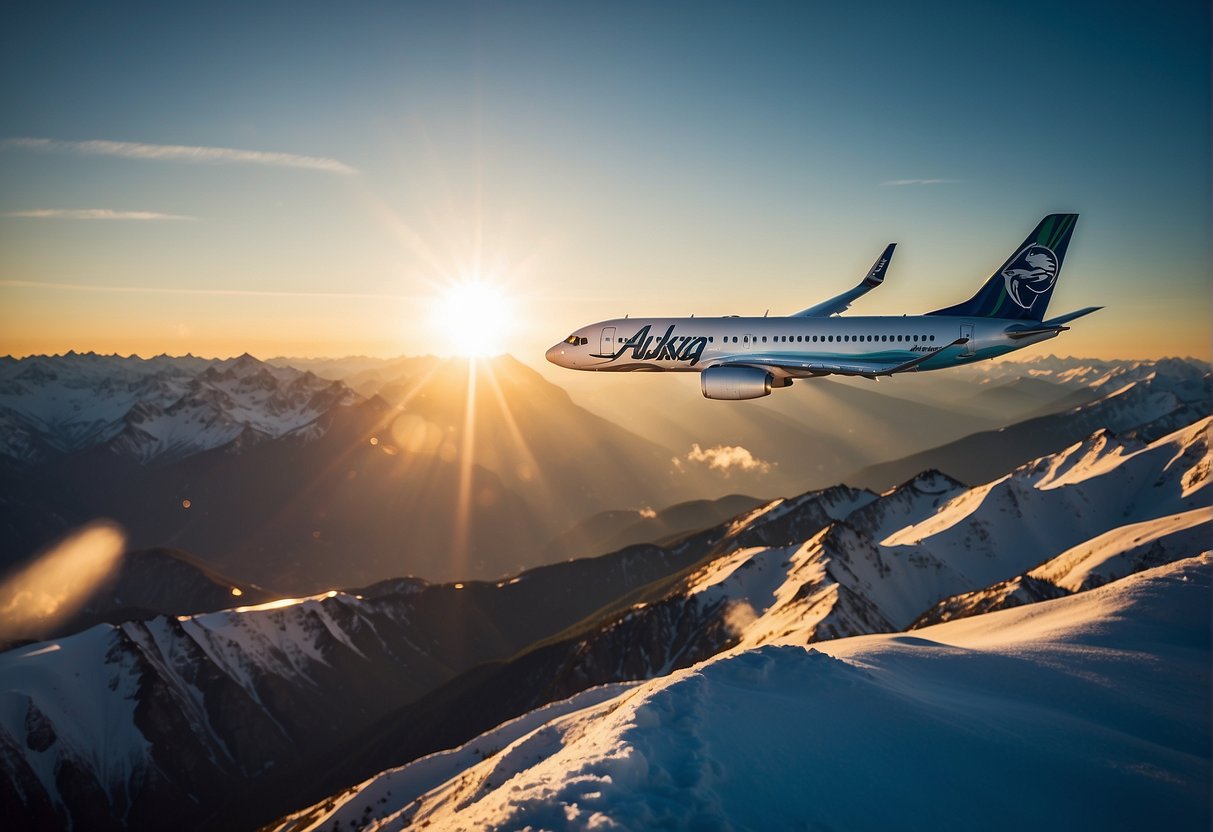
[(572, 339)]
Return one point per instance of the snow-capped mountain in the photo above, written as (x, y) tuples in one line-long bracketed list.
[(1161, 399), (230, 718), (196, 718), (886, 562), (1122, 551), (1076, 373), (238, 399), (1052, 699), (280, 478), (153, 410), (75, 401), (830, 564), (179, 707), (823, 566)]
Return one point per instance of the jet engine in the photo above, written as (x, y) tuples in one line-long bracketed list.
[(734, 383)]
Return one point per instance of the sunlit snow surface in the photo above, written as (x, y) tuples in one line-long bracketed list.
[(1086, 712)]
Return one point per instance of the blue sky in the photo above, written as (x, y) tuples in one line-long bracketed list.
[(595, 159)]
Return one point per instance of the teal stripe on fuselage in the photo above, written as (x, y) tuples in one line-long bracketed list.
[(873, 338)]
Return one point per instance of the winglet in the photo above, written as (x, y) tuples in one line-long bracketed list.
[(841, 303), (875, 275)]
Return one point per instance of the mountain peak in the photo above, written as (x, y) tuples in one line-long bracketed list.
[(932, 481), (246, 361)]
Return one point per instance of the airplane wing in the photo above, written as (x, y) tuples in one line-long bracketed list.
[(840, 304), (800, 369)]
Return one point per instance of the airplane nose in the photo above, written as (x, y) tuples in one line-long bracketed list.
[(555, 353)]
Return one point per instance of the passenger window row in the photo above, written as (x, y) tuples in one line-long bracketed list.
[(784, 339), (833, 338)]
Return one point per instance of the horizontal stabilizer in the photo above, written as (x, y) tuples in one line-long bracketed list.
[(1053, 325), (1065, 319)]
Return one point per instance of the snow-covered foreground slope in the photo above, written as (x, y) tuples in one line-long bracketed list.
[(1086, 712)]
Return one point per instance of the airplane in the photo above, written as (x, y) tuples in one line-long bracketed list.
[(745, 358)]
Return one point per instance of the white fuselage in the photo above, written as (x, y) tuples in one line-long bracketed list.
[(694, 344)]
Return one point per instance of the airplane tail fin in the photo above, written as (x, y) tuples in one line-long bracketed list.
[(1021, 289)]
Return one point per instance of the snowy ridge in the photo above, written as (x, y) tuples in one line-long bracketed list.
[(1108, 557), (1160, 401), (1113, 555), (57, 728), (799, 575), (1064, 501), (407, 783), (739, 741), (157, 409), (234, 690), (1043, 509), (904, 505)]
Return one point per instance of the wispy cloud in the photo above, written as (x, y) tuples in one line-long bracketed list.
[(725, 458), (185, 290), (181, 153), (901, 182), (93, 214)]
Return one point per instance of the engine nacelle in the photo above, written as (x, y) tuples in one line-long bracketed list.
[(735, 383)]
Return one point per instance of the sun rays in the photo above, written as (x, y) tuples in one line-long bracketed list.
[(467, 460), (452, 424), (467, 259), (473, 318)]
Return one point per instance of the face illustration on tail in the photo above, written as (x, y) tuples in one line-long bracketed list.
[(1032, 273)]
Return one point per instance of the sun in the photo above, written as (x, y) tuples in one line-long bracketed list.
[(473, 318)]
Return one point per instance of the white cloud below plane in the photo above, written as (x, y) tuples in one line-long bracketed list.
[(725, 458)]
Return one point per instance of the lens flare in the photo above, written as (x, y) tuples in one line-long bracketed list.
[(57, 584)]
